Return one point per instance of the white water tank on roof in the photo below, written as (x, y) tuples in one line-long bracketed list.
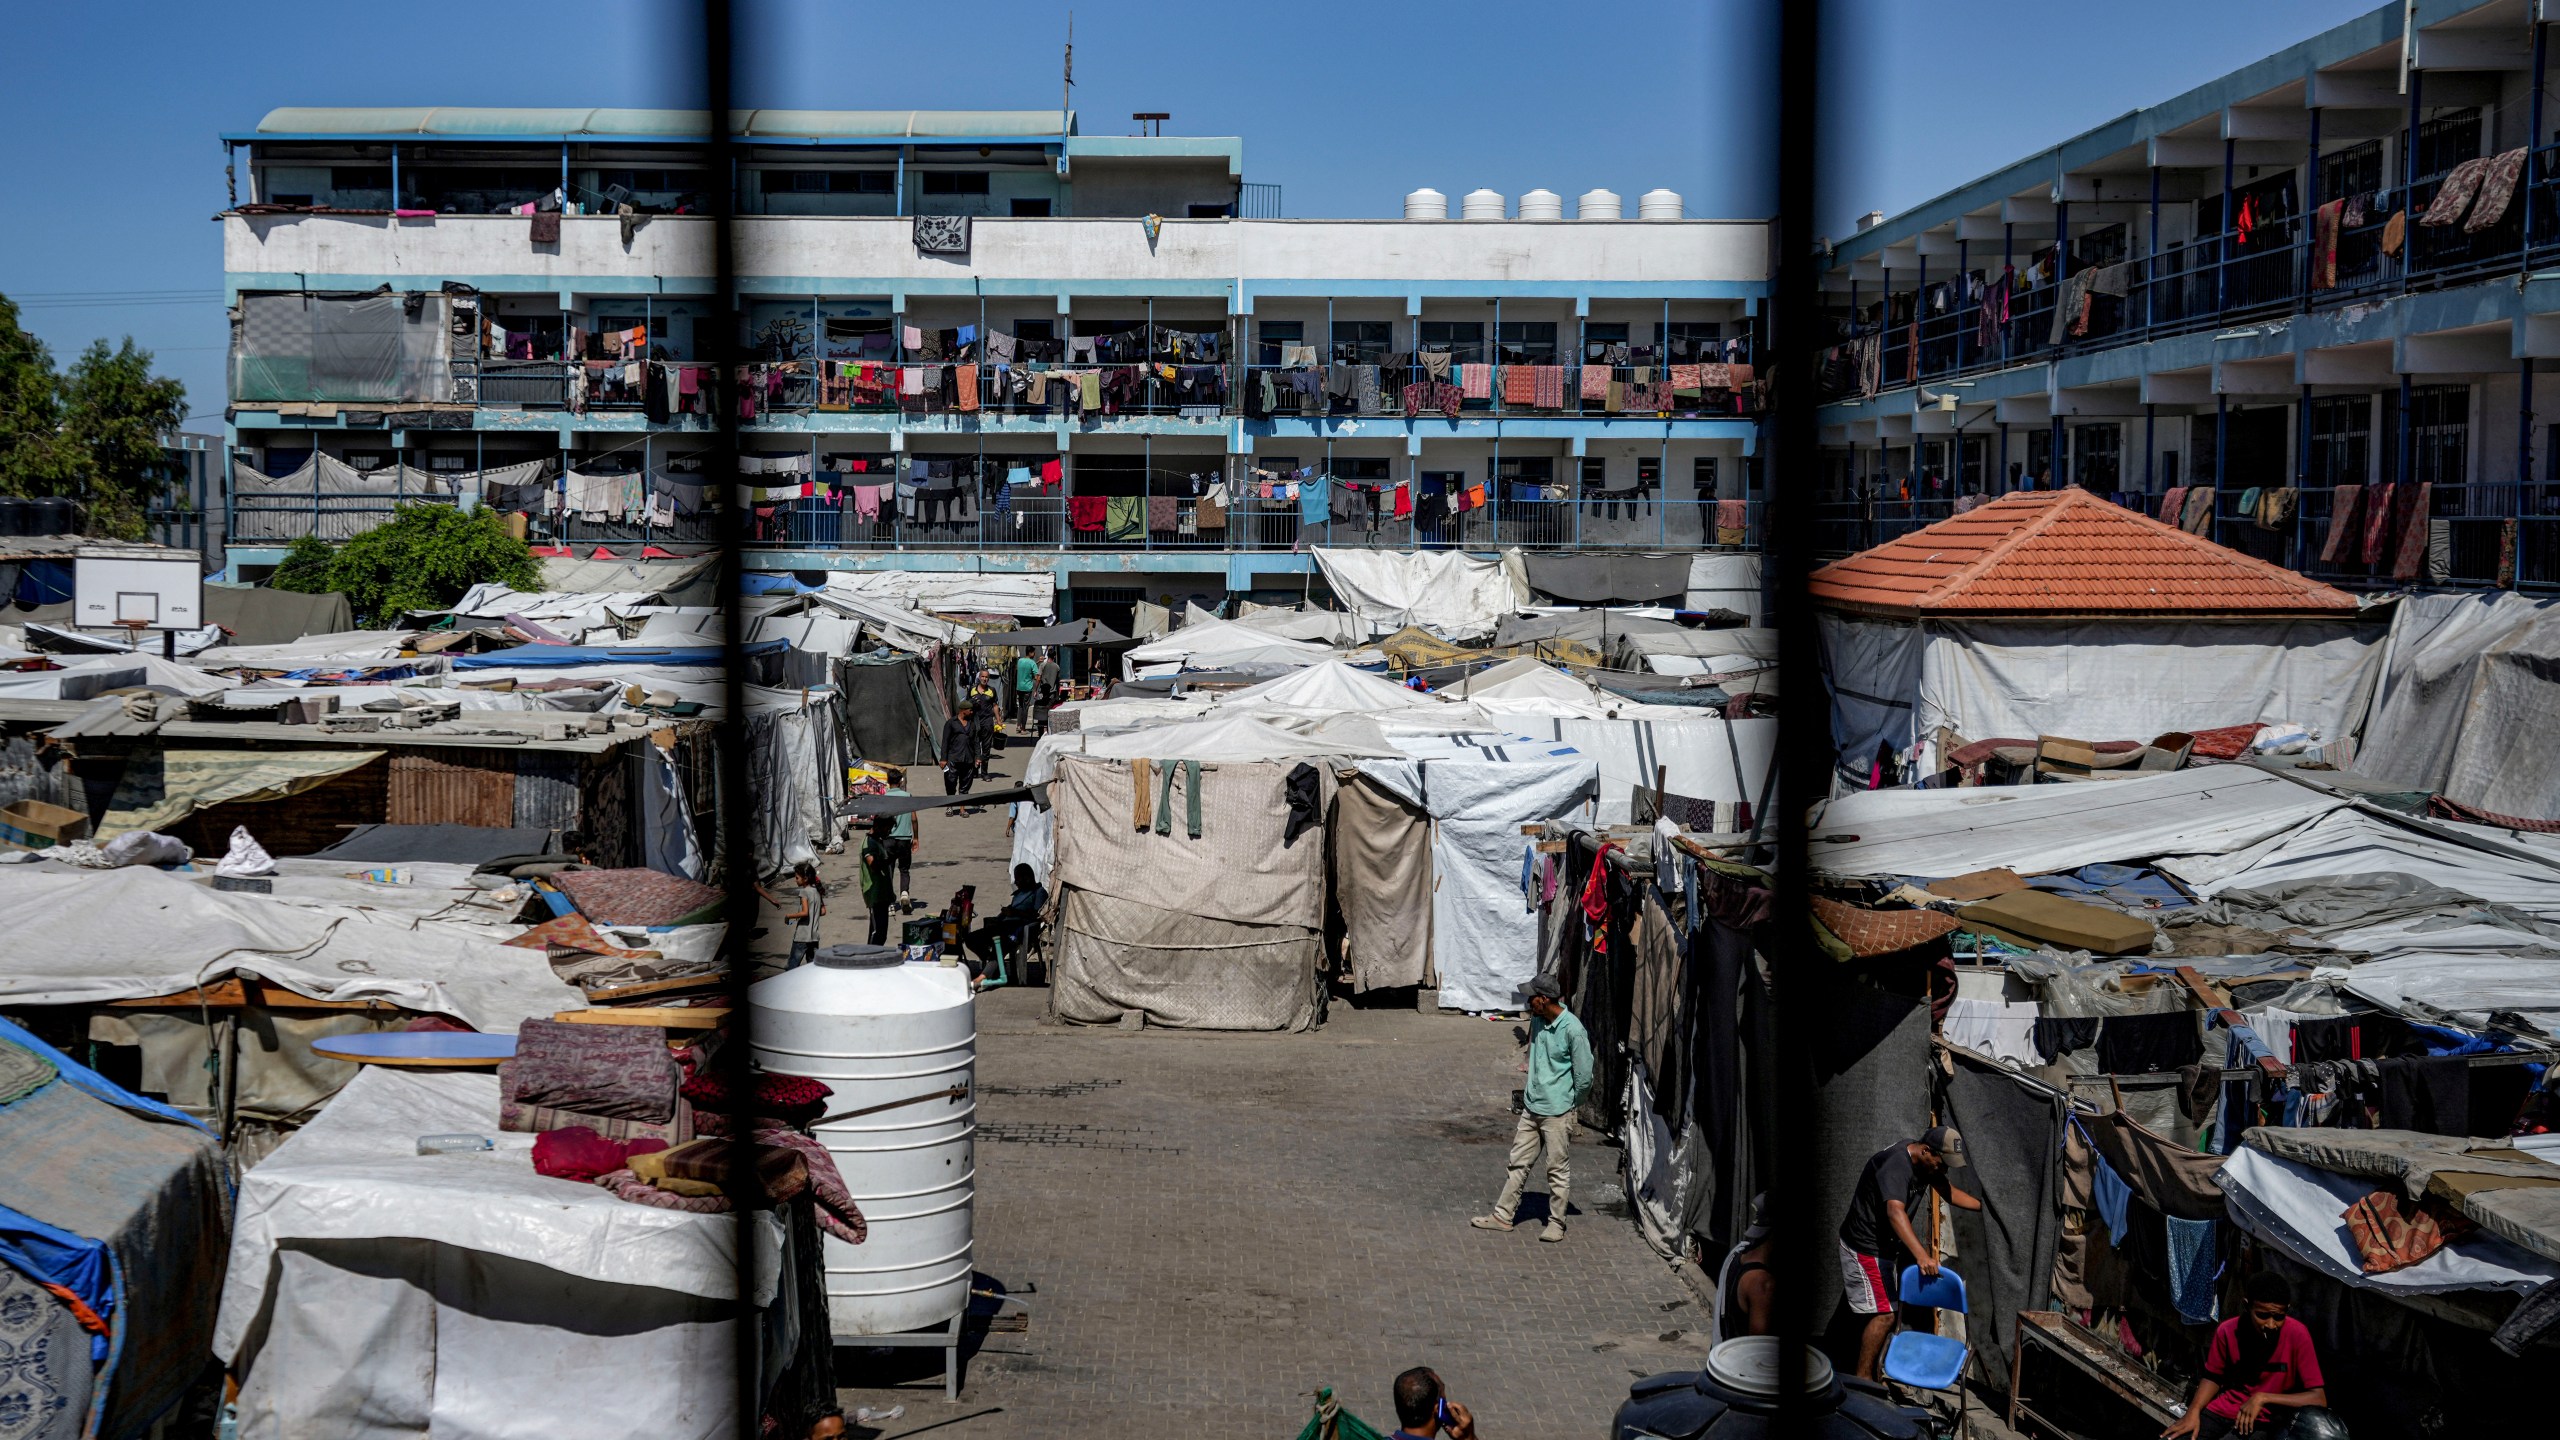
[(1658, 205), (1481, 205), (877, 1029), (1599, 205), (1426, 204), (1542, 205)]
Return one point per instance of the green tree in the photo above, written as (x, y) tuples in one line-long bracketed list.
[(34, 458), (424, 558), (94, 434), (118, 413)]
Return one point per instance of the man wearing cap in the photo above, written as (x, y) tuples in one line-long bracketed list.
[(1876, 1239), (1559, 1076)]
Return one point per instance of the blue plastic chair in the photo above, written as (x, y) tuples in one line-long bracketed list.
[(1917, 1358)]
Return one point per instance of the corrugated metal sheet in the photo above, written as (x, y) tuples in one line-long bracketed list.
[(447, 786), (547, 790)]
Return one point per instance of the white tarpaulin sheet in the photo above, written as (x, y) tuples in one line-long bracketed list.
[(1725, 581), (80, 937), (1242, 869), (142, 669), (1702, 759), (2210, 810), (1331, 685), (2131, 680), (1484, 932), (379, 1272), (1236, 737), (2355, 842), (1445, 591), (1031, 596), (1212, 644), (2299, 1209), (2464, 688), (344, 648), (2465, 986)]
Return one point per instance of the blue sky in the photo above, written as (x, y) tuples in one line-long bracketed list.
[(116, 171)]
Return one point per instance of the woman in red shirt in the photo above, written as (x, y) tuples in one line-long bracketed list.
[(2260, 1374)]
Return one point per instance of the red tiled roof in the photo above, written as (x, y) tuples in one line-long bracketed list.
[(2065, 552)]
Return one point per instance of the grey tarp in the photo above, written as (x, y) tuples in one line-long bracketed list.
[(1598, 629), (1186, 971), (156, 1194), (1074, 632), (460, 844), (2428, 705), (1873, 1046), (1609, 579), (2013, 1135), (295, 348), (255, 615), (891, 713), (1382, 882)]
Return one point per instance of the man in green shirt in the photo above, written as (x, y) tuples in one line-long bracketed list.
[(1559, 1076), (1026, 677)]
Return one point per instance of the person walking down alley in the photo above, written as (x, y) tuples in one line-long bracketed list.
[(1559, 1076), (1876, 1237), (877, 891), (959, 751), (984, 710), (1026, 677)]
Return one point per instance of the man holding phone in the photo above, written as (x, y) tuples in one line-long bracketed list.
[(1425, 1411)]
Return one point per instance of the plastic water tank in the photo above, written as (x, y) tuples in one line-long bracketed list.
[(1542, 205), (1426, 204), (877, 1029), (1599, 205), (1658, 205), (1481, 205)]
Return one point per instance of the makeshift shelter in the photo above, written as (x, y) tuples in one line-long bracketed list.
[(2057, 613), (2463, 707), (116, 1202), (375, 1292), (256, 615), (1219, 645), (1446, 591), (892, 712), (1608, 579)]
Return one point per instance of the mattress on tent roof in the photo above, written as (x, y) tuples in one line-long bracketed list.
[(1182, 971)]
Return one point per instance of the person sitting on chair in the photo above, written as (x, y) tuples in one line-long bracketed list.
[(2260, 1374), (1014, 925)]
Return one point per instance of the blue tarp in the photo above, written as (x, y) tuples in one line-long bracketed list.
[(43, 582), (752, 584), (531, 656)]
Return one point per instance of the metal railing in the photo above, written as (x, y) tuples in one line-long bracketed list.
[(2222, 278)]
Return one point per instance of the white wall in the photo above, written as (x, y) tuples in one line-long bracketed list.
[(1215, 251)]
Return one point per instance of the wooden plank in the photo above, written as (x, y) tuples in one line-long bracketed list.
[(221, 995), (671, 1017), (650, 989), (276, 997)]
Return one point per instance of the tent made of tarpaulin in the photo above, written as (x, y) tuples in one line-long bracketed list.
[(1696, 757), (1073, 632), (796, 763), (1479, 792), (1032, 595), (2035, 829), (1220, 645), (87, 937), (1447, 591), (1239, 736), (1601, 578), (160, 787), (1683, 651), (376, 1292), (1328, 627), (88, 676), (891, 711), (1906, 686), (125, 1204), (1219, 931), (2463, 704), (1726, 581), (1331, 685), (325, 650), (255, 615)]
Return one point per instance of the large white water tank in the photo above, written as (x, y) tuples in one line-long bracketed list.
[(1542, 205), (1481, 205), (1599, 205), (877, 1029), (1426, 204), (1658, 205)]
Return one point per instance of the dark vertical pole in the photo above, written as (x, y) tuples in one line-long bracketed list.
[(1999, 483), (1964, 267), (2408, 436), (2533, 138), (2409, 182), (2222, 247), (2221, 458), (1800, 1241), (2008, 267), (2310, 208), (2524, 427), (2151, 261), (737, 833), (2150, 429), (1919, 318), (2061, 260), (2301, 466)]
